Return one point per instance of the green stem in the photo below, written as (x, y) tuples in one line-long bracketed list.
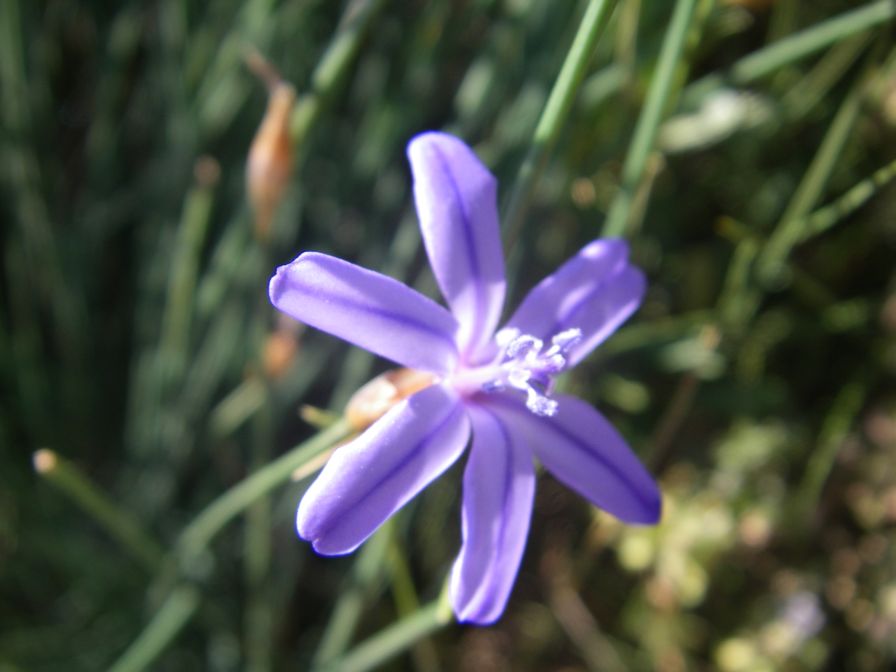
[(789, 49), (185, 267), (738, 301), (237, 407), (841, 418), (648, 123), (333, 66), (807, 93), (366, 571), (199, 533), (811, 188), (655, 332), (407, 602), (184, 599), (119, 524), (824, 218), (259, 617), (556, 111), (168, 621), (396, 638)]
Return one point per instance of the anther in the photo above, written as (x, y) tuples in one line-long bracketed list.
[(540, 405), (521, 346), (523, 366), (565, 340)]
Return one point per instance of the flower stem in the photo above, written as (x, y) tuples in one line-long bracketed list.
[(837, 425), (118, 523), (180, 605), (207, 524), (407, 602), (168, 621), (257, 549), (332, 68), (182, 278), (556, 111), (633, 169), (790, 228), (396, 638), (367, 571), (826, 217), (794, 47)]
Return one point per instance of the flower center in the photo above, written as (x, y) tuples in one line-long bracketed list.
[(523, 364)]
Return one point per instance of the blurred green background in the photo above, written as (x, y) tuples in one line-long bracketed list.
[(137, 343)]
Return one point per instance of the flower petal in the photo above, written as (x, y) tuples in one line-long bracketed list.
[(369, 479), (584, 451), (499, 486), (368, 309), (595, 291), (456, 198)]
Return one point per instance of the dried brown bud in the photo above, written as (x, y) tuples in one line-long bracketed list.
[(44, 460), (206, 171), (279, 352), (375, 398), (271, 158)]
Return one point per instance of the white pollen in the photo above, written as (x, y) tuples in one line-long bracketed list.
[(504, 337), (526, 366)]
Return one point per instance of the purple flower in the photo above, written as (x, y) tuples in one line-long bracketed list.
[(496, 387)]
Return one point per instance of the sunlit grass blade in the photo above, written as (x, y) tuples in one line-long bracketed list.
[(367, 570), (830, 215), (811, 188), (182, 279), (794, 47), (197, 535), (394, 639), (840, 420), (167, 622), (184, 599), (109, 514), (648, 122), (555, 112), (332, 68)]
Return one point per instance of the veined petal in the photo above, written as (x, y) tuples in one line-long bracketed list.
[(499, 486), (368, 309), (595, 291), (456, 198), (369, 479), (584, 451)]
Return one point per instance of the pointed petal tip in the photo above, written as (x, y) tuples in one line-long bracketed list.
[(471, 618), (639, 282), (473, 612), (321, 548), (275, 286), (599, 247), (280, 280), (303, 526), (317, 538), (652, 511), (420, 142), (368, 309), (309, 527)]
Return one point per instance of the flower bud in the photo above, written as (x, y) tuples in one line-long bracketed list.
[(279, 352), (375, 398), (270, 163)]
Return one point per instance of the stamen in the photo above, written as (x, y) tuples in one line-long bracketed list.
[(519, 378), (566, 339), (555, 363), (505, 336), (521, 346), (540, 405), (523, 366)]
